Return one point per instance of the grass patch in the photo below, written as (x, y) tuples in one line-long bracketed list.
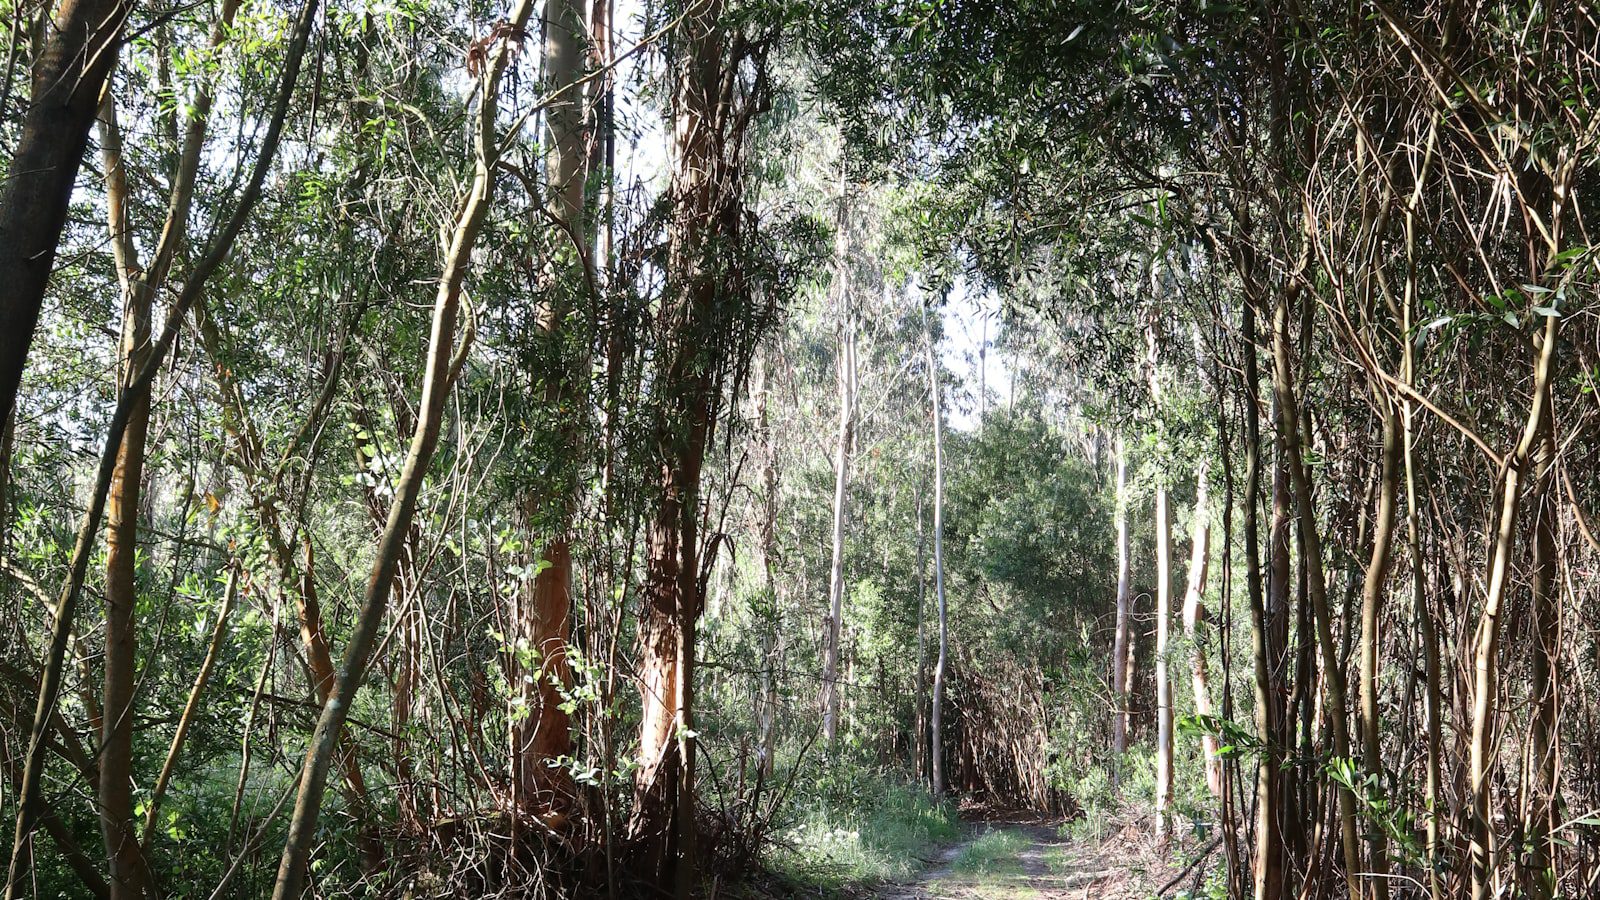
[(1059, 860), (863, 828), (992, 853)]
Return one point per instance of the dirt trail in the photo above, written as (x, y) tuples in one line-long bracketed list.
[(1035, 861)]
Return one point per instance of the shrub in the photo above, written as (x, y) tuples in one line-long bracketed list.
[(854, 825)]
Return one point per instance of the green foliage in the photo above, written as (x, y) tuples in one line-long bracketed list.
[(1097, 798), (1233, 738), (1213, 887), (1069, 161), (856, 825), (1397, 822), (994, 852)]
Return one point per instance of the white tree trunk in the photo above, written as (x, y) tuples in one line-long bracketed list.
[(1120, 670), (833, 636), (920, 744), (841, 490), (1195, 622), (938, 568), (1163, 627)]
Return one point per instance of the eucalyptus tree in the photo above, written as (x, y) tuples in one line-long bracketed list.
[(129, 417), (1259, 277), (843, 450), (81, 41), (540, 733), (942, 659), (442, 366), (720, 283), (1203, 107), (1122, 641)]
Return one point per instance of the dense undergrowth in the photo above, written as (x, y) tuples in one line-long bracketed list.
[(852, 828), (858, 826)]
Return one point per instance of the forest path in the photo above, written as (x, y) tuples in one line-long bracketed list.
[(1034, 860)]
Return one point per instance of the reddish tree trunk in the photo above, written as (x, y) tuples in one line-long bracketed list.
[(544, 735), (126, 860), (541, 731)]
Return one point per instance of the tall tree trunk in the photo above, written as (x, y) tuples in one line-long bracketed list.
[(135, 392), (139, 284), (841, 474), (440, 369), (126, 864), (541, 729), (79, 49), (1316, 581), (1164, 767), (1163, 527), (603, 148), (1283, 589), (1544, 786), (1121, 674), (919, 744), (1196, 621), (1432, 676), (1268, 884), (662, 822), (704, 315), (769, 613), (1487, 641), (409, 638), (1372, 591), (937, 415), (8, 438)]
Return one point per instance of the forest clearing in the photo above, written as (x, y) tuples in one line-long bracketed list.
[(799, 448)]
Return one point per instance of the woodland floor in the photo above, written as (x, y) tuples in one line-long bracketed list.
[(1034, 859)]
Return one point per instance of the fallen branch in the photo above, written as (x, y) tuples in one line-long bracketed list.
[(1199, 858)]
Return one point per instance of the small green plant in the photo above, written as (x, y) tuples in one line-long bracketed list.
[(1091, 825), (855, 826), (1373, 804), (1138, 768), (1215, 887), (991, 853), (1097, 800)]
